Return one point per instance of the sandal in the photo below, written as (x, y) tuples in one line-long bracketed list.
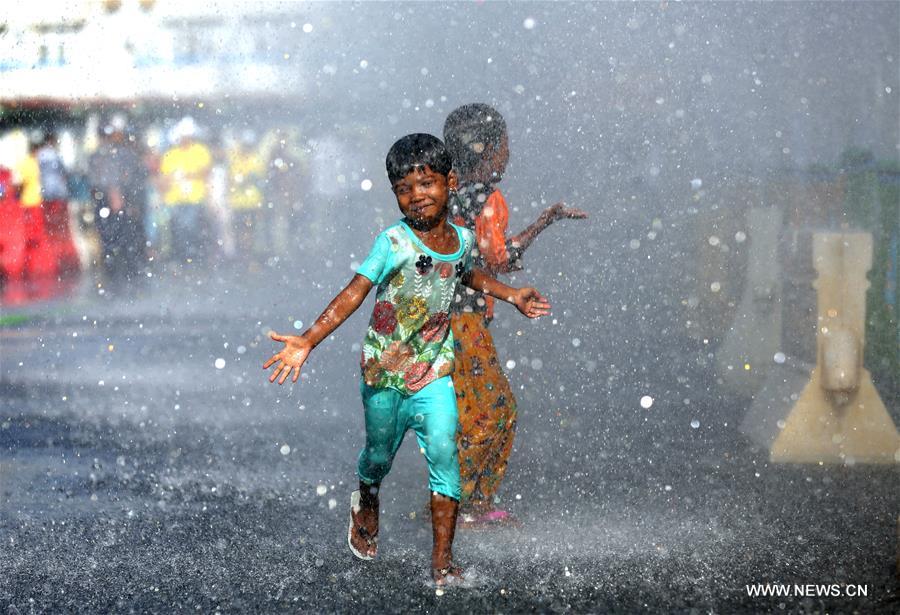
[(371, 540)]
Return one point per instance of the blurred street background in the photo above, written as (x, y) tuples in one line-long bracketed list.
[(179, 178)]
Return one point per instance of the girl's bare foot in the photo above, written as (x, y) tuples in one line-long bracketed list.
[(446, 576), (444, 511)]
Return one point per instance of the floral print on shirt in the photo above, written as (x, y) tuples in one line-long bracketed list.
[(409, 342)]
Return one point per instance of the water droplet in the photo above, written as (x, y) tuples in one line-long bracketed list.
[(104, 212), (321, 490), (510, 364), (307, 27), (529, 23), (779, 357), (285, 449), (298, 324), (220, 363), (366, 185), (576, 342), (646, 401), (695, 424)]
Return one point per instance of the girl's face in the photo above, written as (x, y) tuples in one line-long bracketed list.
[(492, 166), (500, 157), (422, 196)]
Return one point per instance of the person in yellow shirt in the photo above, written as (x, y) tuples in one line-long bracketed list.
[(39, 261), (246, 177), (184, 174), (28, 178)]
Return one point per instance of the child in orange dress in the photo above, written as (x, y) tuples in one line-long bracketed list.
[(477, 139)]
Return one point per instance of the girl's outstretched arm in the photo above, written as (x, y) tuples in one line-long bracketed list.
[(297, 347), (517, 245), (528, 300)]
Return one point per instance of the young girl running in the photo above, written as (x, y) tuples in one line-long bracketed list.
[(407, 355), (477, 139)]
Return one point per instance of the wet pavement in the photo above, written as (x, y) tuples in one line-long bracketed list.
[(147, 466)]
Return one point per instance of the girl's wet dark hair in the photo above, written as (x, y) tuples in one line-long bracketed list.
[(417, 150), (471, 131)]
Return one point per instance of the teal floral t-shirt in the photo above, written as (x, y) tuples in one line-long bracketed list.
[(409, 342)]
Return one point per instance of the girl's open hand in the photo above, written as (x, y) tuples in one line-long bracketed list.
[(530, 302), (560, 211), (290, 359)]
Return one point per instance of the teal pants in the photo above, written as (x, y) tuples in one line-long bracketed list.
[(431, 413)]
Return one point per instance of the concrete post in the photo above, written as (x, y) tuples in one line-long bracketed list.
[(839, 417)]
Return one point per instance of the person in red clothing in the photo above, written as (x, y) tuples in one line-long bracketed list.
[(40, 261), (12, 242), (477, 139)]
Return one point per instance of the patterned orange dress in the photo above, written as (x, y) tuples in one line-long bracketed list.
[(485, 402)]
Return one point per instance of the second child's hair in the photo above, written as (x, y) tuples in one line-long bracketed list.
[(414, 151), (471, 132)]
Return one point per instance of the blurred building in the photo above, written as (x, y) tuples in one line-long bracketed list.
[(121, 50)]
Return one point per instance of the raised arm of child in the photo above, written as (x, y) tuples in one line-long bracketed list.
[(517, 245), (526, 299), (297, 347)]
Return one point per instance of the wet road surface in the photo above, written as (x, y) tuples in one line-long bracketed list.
[(147, 466)]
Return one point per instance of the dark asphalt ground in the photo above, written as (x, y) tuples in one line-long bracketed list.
[(136, 476)]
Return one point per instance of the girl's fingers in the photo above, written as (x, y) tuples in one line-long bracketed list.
[(271, 360), (277, 371), (277, 336), (296, 373), (284, 375)]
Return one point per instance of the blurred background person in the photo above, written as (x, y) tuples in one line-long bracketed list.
[(12, 242), (246, 182), (286, 188), (184, 174), (218, 198), (156, 214), (119, 178), (55, 196), (39, 259)]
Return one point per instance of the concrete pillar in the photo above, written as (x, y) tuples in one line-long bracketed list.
[(755, 334), (839, 417)]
